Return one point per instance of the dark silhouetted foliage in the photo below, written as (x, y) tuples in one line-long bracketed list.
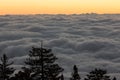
[(23, 75), (98, 74), (42, 66), (5, 69), (62, 77), (75, 75), (114, 78)]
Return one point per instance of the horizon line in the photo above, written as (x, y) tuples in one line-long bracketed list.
[(63, 14)]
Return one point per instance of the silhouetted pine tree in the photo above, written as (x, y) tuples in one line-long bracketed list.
[(114, 78), (75, 75), (5, 69), (41, 63), (62, 77), (98, 74)]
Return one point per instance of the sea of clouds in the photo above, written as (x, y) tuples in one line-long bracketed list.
[(87, 40)]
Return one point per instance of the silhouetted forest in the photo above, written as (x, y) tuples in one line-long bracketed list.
[(40, 65)]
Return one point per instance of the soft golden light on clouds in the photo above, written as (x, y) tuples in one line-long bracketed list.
[(58, 6)]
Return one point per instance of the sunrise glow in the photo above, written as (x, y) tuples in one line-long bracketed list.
[(59, 6)]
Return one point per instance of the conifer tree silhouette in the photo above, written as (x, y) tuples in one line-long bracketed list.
[(75, 75), (98, 74), (25, 74), (114, 78), (41, 63), (62, 77), (5, 69)]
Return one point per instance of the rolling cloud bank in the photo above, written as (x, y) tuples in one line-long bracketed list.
[(89, 40)]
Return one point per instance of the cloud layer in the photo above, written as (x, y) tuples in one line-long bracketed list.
[(89, 41)]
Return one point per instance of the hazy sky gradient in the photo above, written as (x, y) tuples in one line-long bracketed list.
[(58, 6)]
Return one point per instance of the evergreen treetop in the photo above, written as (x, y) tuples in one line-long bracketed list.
[(98, 74), (41, 62), (75, 74), (5, 69)]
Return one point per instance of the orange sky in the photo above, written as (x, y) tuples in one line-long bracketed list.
[(59, 6)]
